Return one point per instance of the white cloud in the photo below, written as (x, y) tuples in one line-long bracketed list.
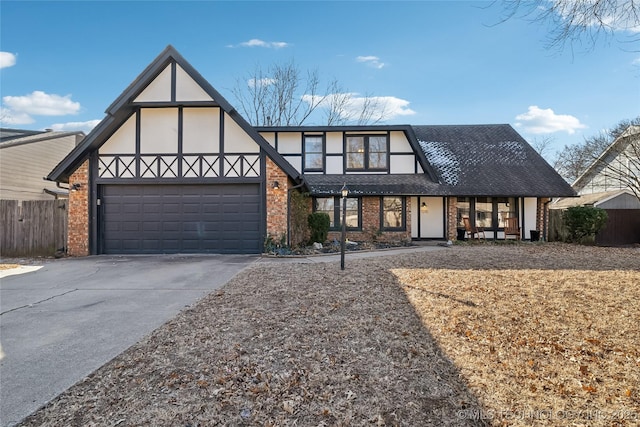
[(539, 121), (42, 104), (262, 43), (74, 126), (379, 108), (7, 59), (260, 82), (372, 61), (8, 117)]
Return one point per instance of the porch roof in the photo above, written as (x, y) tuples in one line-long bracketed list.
[(375, 185), (489, 160)]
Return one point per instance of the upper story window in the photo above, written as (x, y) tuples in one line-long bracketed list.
[(313, 153), (367, 152)]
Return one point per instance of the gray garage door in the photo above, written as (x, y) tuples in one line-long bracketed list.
[(143, 219)]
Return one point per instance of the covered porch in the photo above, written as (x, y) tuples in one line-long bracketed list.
[(434, 217)]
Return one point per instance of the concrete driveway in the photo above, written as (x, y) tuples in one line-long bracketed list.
[(61, 322)]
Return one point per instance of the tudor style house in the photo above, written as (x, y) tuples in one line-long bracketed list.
[(174, 168)]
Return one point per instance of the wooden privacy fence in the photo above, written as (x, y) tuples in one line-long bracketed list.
[(622, 228), (32, 228)]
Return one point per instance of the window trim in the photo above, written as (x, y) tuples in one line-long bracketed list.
[(323, 153), (495, 221), (367, 152), (337, 212), (403, 226)]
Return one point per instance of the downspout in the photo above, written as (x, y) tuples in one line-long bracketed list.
[(289, 211), (59, 186), (65, 230)]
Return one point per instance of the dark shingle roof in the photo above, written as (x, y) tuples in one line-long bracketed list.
[(372, 185), (488, 160)]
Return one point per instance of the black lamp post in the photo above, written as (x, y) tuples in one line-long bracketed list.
[(345, 192)]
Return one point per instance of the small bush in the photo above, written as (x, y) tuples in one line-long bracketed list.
[(583, 222), (319, 223)]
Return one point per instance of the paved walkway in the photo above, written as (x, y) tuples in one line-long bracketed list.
[(351, 255)]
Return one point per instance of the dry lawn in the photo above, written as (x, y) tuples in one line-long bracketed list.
[(471, 335)]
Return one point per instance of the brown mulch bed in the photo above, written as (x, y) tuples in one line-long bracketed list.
[(520, 334)]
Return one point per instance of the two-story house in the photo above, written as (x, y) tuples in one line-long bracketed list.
[(174, 168)]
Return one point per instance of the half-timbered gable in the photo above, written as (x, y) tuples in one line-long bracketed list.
[(174, 168)]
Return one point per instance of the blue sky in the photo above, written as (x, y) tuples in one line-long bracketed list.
[(435, 62)]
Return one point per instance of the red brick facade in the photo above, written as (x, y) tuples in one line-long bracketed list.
[(78, 235), (276, 200), (541, 215), (371, 227), (452, 218)]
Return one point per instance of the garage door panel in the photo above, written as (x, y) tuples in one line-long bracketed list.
[(181, 218)]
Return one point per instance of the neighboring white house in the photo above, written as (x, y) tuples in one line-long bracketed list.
[(601, 186), (27, 156), (612, 183)]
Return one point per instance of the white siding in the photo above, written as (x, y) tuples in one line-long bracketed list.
[(530, 207), (22, 168), (159, 90), (270, 137), (187, 89), (334, 165), (334, 142), (399, 143), (290, 143), (201, 130), (295, 161), (236, 140), (123, 141), (402, 163), (159, 130)]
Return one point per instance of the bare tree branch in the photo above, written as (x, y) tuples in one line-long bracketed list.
[(280, 96), (581, 22)]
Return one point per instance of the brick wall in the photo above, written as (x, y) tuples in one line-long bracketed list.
[(276, 200), (540, 216), (371, 224), (452, 218), (78, 233)]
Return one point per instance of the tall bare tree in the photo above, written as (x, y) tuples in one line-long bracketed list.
[(282, 95), (618, 165), (578, 21), (574, 159)]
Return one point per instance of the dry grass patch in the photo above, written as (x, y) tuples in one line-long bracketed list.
[(517, 333), (8, 266), (541, 341)]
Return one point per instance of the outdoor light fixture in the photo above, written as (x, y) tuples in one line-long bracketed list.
[(275, 185), (344, 192), (76, 186), (424, 207)]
